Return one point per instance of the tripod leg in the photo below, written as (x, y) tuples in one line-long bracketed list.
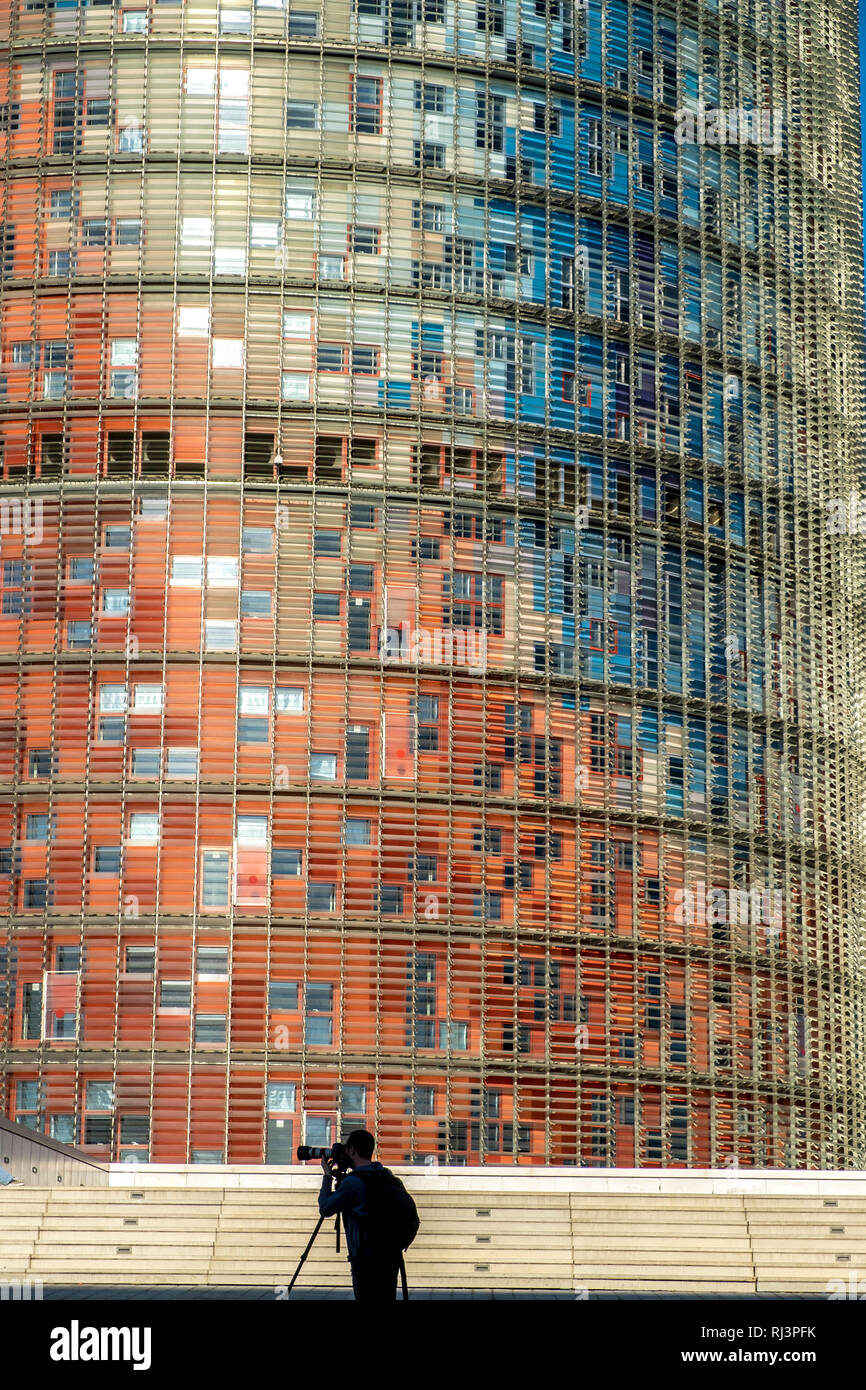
[(305, 1254), (403, 1280)]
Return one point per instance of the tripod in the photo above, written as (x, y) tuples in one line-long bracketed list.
[(319, 1225)]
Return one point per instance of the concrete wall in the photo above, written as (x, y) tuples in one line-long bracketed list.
[(38, 1161)]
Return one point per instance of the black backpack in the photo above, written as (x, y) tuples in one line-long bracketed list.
[(392, 1217)]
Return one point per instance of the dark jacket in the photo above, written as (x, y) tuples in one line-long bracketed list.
[(350, 1200)]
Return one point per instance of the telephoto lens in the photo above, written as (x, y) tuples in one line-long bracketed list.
[(305, 1152)]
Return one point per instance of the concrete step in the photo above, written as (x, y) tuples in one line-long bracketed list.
[(143, 1222), (147, 1196), (611, 1284), (651, 1274), (658, 1220), (649, 1230), (237, 1240), (806, 1202), (671, 1259), (105, 1250), (660, 1245), (175, 1210), (804, 1225), (45, 1268), (634, 1201), (164, 1240)]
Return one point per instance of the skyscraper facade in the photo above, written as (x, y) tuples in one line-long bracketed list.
[(430, 650)]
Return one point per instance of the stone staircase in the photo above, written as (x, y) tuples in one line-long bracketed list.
[(495, 1235)]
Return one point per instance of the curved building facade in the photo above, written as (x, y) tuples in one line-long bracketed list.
[(430, 641)]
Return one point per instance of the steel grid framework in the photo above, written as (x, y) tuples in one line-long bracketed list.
[(431, 624)]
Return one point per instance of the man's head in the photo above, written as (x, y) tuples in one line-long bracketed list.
[(359, 1146)]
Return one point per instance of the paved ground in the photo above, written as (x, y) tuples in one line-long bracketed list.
[(266, 1295)]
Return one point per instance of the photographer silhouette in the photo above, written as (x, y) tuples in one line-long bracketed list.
[(379, 1216)]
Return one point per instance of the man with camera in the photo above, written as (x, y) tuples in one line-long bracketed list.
[(378, 1214)]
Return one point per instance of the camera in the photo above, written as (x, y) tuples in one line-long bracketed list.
[(337, 1154)]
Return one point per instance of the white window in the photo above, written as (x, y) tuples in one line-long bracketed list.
[(296, 386), (181, 762), (317, 1130), (254, 699), (323, 766), (297, 325), (115, 600), (99, 1095), (54, 385), (196, 231), (290, 699), (134, 22), (200, 82), (124, 352), (220, 635), (234, 21), (147, 697), (222, 571), (193, 322), (264, 232), (228, 352), (300, 205), (234, 83), (454, 1035), (212, 963), (230, 260), (252, 830), (186, 570), (331, 267), (123, 382), (144, 828), (112, 699), (281, 1094)]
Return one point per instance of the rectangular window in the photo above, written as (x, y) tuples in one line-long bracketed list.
[(428, 155), (181, 762), (429, 217), (93, 231), (430, 97), (289, 699), (490, 17), (220, 635), (390, 898), (215, 878), (357, 831), (321, 897), (326, 605), (323, 767), (303, 24), (302, 115), (144, 828), (489, 122), (364, 241), (257, 540), (106, 859), (140, 960), (318, 1022), (210, 1028), (365, 105), (175, 994), (256, 603), (285, 863), (282, 997), (211, 962), (127, 231), (353, 1100), (145, 762)]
